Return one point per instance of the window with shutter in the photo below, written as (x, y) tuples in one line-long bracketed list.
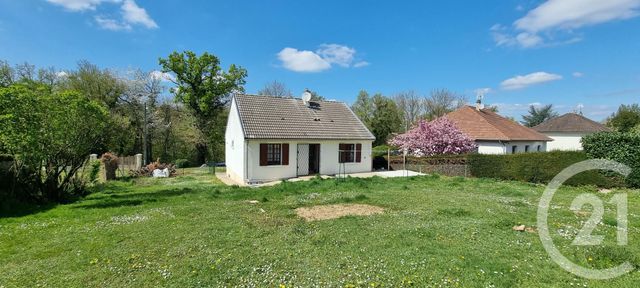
[(272, 154), (347, 153)]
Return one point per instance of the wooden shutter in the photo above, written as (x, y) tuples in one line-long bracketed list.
[(263, 154), (285, 153), (358, 152)]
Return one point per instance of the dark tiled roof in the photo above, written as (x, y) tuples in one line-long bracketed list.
[(570, 122), (268, 117), (486, 125)]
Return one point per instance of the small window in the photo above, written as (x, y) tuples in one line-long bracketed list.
[(538, 149), (274, 154), (514, 149), (526, 148), (347, 153)]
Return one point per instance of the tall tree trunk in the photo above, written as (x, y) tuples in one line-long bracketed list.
[(202, 150)]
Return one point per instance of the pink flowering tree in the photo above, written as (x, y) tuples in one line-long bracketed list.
[(437, 137)]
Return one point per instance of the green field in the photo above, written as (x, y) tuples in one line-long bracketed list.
[(193, 231)]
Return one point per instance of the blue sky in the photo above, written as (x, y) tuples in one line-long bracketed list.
[(564, 52)]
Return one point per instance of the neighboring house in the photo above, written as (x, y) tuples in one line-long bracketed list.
[(495, 134), (270, 138), (567, 131)]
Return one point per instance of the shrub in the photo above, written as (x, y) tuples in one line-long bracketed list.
[(147, 171), (617, 146), (536, 168), (48, 132), (94, 171), (182, 163)]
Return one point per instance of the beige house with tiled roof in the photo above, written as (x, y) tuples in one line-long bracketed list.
[(495, 134), (567, 131), (270, 138)]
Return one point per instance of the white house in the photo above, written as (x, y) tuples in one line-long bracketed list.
[(567, 131), (270, 138), (495, 134)]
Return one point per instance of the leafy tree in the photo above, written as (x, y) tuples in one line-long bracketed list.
[(437, 137), (441, 102), (538, 115), (102, 85), (363, 108), (205, 89), (49, 136), (386, 119), (411, 106), (625, 119), (275, 88)]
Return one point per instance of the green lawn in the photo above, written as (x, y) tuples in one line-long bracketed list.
[(193, 231)]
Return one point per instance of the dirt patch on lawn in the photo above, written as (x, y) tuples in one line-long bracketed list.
[(324, 212)]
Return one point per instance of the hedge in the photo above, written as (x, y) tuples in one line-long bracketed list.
[(617, 146), (536, 168)]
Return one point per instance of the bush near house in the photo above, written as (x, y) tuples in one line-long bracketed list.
[(617, 146), (537, 168)]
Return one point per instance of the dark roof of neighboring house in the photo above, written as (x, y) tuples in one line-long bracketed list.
[(570, 122), (269, 117), (485, 124)]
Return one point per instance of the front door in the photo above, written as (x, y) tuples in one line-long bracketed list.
[(303, 159)]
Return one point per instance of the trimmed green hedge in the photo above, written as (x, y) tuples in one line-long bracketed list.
[(536, 168), (617, 146)]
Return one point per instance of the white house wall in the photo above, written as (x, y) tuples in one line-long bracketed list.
[(234, 146), (490, 147), (567, 141), (503, 147), (328, 159)]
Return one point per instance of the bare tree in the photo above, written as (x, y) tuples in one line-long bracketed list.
[(411, 107), (275, 88), (26, 71), (441, 102)]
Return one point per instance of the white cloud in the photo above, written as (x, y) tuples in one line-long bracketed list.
[(322, 59), (361, 64), (572, 14), (561, 17), (79, 5), (577, 74), (134, 14), (302, 60), (522, 81), (111, 24), (338, 54), (162, 76)]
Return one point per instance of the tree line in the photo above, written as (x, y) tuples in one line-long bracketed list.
[(51, 120)]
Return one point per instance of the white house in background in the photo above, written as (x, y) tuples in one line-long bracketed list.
[(495, 134), (567, 131), (270, 138)]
